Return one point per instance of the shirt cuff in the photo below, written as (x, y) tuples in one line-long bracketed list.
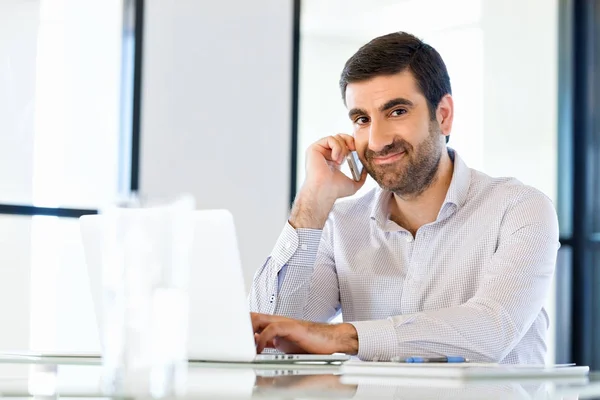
[(296, 246), (376, 340)]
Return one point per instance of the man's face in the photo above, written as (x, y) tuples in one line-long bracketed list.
[(398, 143)]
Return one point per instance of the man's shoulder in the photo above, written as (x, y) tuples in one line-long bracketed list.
[(503, 190)]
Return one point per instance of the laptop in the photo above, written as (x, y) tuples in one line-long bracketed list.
[(220, 328)]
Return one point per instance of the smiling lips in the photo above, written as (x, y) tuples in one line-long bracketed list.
[(390, 158)]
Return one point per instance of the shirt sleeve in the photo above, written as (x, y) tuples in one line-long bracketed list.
[(488, 326), (299, 279)]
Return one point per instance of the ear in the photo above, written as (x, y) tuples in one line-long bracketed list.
[(445, 114)]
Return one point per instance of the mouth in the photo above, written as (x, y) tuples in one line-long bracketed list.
[(391, 158)]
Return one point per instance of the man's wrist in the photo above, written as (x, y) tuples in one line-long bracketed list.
[(310, 210), (347, 338)]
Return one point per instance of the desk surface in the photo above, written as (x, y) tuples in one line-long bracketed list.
[(77, 378)]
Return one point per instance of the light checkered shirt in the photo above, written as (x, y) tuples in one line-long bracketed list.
[(472, 283)]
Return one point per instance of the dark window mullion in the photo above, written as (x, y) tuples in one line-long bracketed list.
[(137, 96), (583, 185), (14, 209)]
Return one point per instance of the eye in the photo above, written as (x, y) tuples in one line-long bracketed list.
[(361, 120), (398, 112)]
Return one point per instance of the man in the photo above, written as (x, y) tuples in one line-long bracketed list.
[(439, 260)]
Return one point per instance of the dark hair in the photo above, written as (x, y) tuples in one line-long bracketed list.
[(394, 53)]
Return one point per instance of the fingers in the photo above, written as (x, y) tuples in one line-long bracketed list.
[(346, 145), (270, 330), (267, 336), (336, 148), (272, 344), (260, 321), (276, 329), (348, 140)]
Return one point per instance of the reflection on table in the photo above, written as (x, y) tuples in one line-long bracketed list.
[(72, 378)]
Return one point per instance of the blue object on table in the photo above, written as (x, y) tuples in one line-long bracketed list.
[(448, 359)]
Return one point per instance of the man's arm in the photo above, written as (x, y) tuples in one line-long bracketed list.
[(512, 293), (488, 326), (299, 278)]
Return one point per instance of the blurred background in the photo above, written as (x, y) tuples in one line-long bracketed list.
[(100, 99)]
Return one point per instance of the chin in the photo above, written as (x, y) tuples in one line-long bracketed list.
[(385, 179), (388, 184)]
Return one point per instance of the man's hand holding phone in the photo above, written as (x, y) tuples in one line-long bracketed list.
[(325, 182), (355, 165)]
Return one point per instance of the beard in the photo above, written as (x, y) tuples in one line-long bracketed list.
[(415, 171)]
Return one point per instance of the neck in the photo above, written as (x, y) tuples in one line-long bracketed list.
[(412, 212)]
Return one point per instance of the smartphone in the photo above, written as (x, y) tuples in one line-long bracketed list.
[(355, 165)]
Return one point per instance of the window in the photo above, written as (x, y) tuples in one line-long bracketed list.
[(69, 83)]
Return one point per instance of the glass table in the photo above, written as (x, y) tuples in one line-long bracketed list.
[(51, 378)]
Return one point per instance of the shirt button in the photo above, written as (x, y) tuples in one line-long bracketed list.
[(304, 247), (272, 298), (288, 245), (409, 239)]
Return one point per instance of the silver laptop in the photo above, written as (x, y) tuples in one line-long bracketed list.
[(219, 321)]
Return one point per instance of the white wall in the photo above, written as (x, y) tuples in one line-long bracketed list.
[(216, 111), (521, 91), (18, 50)]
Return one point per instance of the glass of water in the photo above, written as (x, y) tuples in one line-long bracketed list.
[(146, 253)]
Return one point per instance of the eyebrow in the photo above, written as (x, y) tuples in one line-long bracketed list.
[(396, 102), (400, 101)]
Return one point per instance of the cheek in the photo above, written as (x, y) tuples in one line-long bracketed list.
[(404, 127), (361, 136), (411, 131), (361, 142)]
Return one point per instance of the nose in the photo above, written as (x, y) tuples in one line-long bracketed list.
[(379, 136)]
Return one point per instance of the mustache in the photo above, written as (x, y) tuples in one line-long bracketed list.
[(397, 146)]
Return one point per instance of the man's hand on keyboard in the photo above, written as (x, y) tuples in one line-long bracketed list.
[(297, 337)]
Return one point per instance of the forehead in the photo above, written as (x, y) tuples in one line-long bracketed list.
[(376, 91)]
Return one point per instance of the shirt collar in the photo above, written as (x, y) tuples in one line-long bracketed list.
[(456, 195), (460, 183), (379, 210)]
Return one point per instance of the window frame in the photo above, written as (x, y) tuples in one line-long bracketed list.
[(133, 28)]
